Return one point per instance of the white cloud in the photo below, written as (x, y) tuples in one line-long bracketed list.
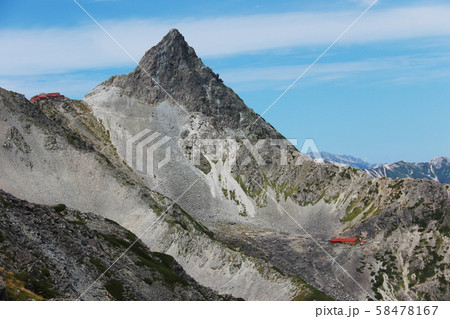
[(363, 2), (291, 72), (399, 69), (38, 51)]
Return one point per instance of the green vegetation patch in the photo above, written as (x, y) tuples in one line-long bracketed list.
[(397, 185), (429, 270), (97, 263), (59, 208), (41, 284), (148, 281), (351, 211), (242, 184), (378, 282), (204, 166), (169, 275), (5, 203), (111, 221), (291, 191), (115, 288), (15, 287), (138, 248), (352, 205), (332, 199), (313, 294), (352, 215), (118, 242), (74, 139), (163, 265), (225, 192), (184, 218), (157, 209)]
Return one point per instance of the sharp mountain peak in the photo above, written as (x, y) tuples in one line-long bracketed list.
[(175, 41), (171, 53), (173, 35), (172, 71)]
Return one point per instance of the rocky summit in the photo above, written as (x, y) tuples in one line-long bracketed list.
[(236, 206)]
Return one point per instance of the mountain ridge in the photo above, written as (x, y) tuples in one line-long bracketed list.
[(437, 169), (61, 153), (59, 252), (343, 159), (325, 199), (228, 222)]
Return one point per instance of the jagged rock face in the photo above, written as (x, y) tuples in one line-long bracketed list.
[(438, 169), (170, 64), (171, 69), (413, 244), (59, 253), (248, 199), (128, 104), (74, 162)]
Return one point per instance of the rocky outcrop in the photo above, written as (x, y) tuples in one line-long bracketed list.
[(61, 253), (171, 71)]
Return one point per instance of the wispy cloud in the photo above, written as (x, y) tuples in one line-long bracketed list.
[(289, 72), (402, 69), (37, 51), (363, 2)]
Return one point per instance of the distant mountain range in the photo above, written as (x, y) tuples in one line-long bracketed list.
[(438, 169), (343, 159)]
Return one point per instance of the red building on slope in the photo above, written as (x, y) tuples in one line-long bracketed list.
[(347, 241), (47, 96)]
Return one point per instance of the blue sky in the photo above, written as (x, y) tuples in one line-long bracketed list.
[(381, 93)]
